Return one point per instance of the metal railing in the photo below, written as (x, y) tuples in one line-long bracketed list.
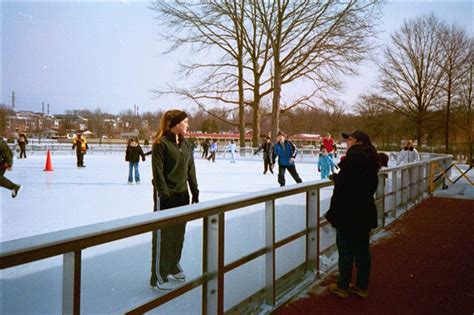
[(400, 188)]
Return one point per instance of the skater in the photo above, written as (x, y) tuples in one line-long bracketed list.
[(6, 163), (353, 213), (286, 152), (132, 156), (325, 163), (232, 148), (80, 144), (205, 148), (328, 143), (267, 148), (408, 154), (213, 150), (173, 171), (22, 142)]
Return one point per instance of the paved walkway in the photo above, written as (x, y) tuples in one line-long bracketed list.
[(424, 266)]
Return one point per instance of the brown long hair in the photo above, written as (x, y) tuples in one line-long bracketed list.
[(165, 123)]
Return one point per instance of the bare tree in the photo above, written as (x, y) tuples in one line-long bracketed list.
[(211, 26), (314, 40), (466, 99), (411, 76), (455, 45)]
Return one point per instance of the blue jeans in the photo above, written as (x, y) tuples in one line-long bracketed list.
[(353, 246), (324, 172), (133, 165)]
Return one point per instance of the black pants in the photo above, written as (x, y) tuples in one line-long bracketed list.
[(167, 244), (267, 162), (5, 182), (292, 170), (353, 247), (22, 151), (80, 158), (212, 157), (204, 153)]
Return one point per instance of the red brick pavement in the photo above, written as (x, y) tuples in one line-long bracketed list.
[(425, 266)]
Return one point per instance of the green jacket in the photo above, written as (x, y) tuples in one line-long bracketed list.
[(6, 155), (173, 166)]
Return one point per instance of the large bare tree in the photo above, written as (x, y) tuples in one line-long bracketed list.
[(411, 76), (315, 41), (455, 47)]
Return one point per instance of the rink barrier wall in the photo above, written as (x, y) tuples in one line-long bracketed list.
[(56, 148), (400, 189)]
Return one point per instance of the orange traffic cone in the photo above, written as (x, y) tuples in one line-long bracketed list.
[(49, 166)]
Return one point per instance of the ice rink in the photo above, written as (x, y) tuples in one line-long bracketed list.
[(115, 275)]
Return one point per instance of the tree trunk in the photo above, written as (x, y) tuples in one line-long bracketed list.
[(448, 114), (276, 99)]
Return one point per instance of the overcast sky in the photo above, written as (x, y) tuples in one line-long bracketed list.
[(107, 55)]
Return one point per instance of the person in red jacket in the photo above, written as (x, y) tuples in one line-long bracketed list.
[(328, 143)]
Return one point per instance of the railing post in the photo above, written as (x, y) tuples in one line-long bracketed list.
[(380, 197), (395, 192), (270, 283), (72, 283), (404, 188), (312, 225), (213, 265)]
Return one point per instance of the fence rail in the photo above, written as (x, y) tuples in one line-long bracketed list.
[(400, 188)]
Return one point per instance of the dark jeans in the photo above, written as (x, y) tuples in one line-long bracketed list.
[(22, 151), (267, 164), (167, 243), (5, 182), (291, 169), (80, 158), (353, 246)]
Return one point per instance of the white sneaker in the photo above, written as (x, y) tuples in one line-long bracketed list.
[(165, 286), (177, 277)]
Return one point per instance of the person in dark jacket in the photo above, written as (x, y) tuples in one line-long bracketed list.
[(205, 148), (286, 152), (80, 144), (173, 171), (132, 156), (267, 148), (353, 213), (6, 163), (22, 142)]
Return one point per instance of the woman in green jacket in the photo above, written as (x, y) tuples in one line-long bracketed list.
[(6, 162), (173, 171)]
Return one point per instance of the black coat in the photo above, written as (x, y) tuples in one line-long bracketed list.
[(352, 203), (133, 154)]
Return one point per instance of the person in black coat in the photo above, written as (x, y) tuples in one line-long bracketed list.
[(22, 142), (353, 212), (267, 148), (132, 156), (6, 163)]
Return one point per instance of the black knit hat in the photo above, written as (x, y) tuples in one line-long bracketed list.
[(358, 135)]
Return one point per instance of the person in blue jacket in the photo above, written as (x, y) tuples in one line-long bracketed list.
[(325, 163), (286, 152)]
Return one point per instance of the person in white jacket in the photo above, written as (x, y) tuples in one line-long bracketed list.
[(408, 154), (232, 148)]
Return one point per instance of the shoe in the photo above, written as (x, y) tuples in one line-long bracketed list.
[(15, 191), (333, 288), (130, 183), (356, 290), (137, 182), (165, 286), (177, 277), (264, 173)]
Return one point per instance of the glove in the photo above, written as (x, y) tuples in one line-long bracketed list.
[(195, 199), (319, 170)]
